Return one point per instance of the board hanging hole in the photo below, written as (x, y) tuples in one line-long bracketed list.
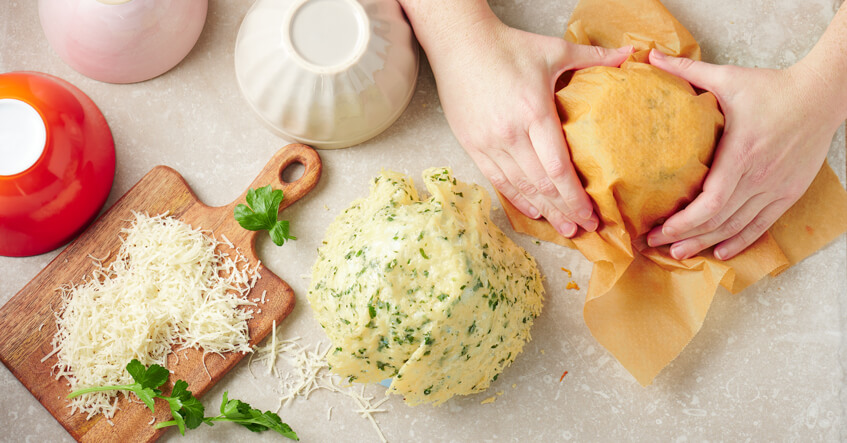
[(292, 172)]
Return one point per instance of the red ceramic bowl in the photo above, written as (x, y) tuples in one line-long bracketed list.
[(57, 162)]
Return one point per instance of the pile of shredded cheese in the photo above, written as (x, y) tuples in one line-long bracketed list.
[(169, 285), (308, 372)]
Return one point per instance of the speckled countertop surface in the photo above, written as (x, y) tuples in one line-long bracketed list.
[(769, 363)]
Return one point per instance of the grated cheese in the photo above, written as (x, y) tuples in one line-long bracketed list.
[(167, 286), (228, 243), (309, 373), (272, 359)]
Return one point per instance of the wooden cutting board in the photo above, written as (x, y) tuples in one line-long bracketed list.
[(27, 324)]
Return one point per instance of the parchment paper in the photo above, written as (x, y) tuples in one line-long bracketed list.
[(642, 142)]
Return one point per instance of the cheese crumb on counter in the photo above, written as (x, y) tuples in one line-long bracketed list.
[(308, 371), (168, 285), (428, 292)]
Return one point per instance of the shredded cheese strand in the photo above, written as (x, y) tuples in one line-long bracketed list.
[(272, 359)]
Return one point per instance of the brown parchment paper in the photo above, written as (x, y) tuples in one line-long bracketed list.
[(642, 141)]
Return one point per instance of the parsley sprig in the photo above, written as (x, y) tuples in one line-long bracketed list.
[(261, 214), (186, 409), (147, 382)]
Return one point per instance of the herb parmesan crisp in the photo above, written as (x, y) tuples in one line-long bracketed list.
[(427, 292)]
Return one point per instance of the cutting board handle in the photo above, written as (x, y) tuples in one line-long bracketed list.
[(272, 174)]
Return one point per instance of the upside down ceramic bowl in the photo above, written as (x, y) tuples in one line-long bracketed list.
[(328, 73), (57, 162), (122, 41)]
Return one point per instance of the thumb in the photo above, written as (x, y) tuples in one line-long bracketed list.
[(574, 56), (700, 74)]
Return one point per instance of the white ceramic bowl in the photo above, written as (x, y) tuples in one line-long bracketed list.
[(327, 73), (122, 41)]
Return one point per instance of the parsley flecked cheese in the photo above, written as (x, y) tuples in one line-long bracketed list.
[(428, 292)]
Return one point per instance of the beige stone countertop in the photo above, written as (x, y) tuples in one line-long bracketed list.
[(768, 364)]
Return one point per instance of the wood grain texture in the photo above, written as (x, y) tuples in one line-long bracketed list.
[(27, 324)]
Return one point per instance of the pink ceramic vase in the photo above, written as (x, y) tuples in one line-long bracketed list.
[(122, 41)]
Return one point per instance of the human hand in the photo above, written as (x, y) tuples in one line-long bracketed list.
[(779, 126), (496, 86)]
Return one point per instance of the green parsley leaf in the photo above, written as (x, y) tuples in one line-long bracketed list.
[(279, 233), (255, 420), (147, 396), (151, 377), (145, 387), (148, 380), (261, 214), (186, 409)]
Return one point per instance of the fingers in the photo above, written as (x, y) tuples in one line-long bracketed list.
[(730, 248), (703, 75), (548, 141), (500, 182), (735, 223), (583, 56), (521, 176), (713, 206), (526, 175), (661, 235), (567, 56)]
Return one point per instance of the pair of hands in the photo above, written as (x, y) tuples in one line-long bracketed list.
[(497, 94)]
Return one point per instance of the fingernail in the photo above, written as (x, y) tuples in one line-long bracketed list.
[(678, 252), (585, 213), (658, 54), (567, 229), (720, 253), (669, 231), (626, 49), (533, 213), (651, 242), (592, 225)]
